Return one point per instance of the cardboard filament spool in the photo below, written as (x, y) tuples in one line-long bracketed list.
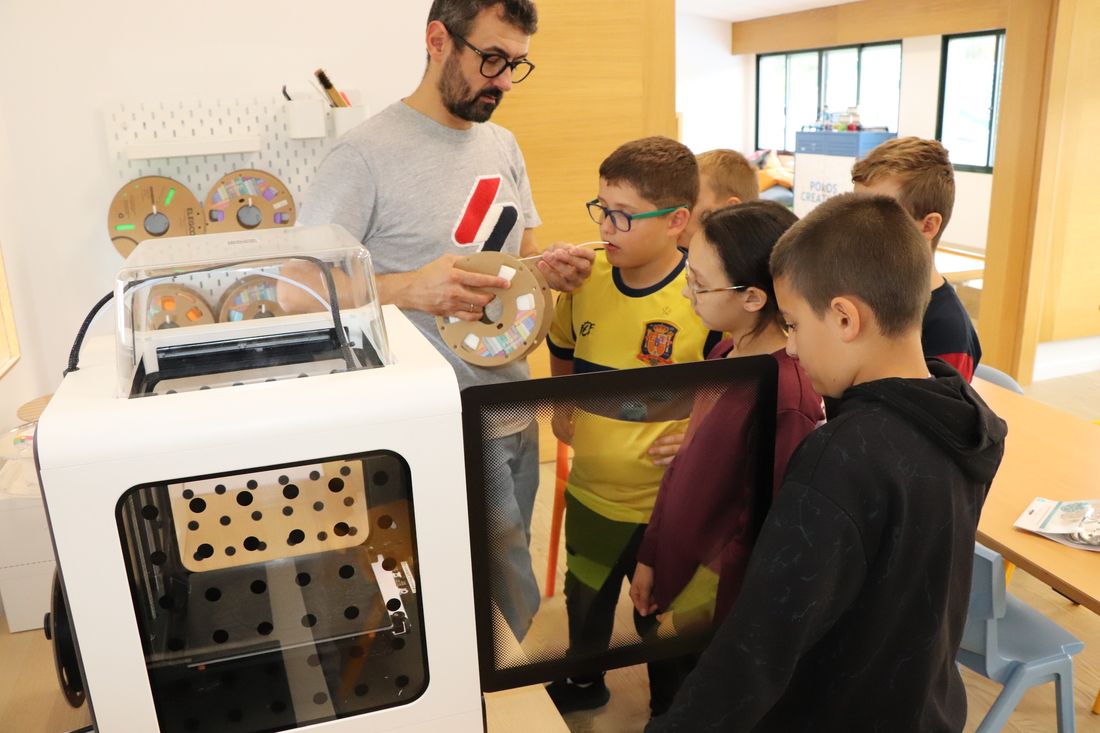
[(513, 325)]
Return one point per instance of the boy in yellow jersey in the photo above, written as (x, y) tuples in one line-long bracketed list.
[(629, 313)]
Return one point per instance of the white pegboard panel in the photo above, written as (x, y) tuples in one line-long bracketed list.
[(254, 125)]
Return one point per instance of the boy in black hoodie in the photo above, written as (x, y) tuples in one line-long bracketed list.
[(854, 601)]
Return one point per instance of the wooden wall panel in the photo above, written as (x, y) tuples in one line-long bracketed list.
[(606, 74), (867, 21), (1066, 220), (1012, 297)]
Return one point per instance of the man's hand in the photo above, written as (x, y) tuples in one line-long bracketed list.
[(641, 589), (442, 289), (565, 267), (665, 448)]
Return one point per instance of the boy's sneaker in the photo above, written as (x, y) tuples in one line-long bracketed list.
[(569, 696)]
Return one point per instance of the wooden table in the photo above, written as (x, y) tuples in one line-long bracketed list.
[(1052, 454)]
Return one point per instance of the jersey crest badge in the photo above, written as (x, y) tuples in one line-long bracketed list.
[(657, 342)]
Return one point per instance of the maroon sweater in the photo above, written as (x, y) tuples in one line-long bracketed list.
[(705, 510)]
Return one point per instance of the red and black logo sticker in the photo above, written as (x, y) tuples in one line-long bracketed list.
[(483, 218)]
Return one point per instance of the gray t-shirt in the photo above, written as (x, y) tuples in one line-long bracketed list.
[(412, 190)]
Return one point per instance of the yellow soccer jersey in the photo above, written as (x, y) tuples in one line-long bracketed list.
[(602, 325)]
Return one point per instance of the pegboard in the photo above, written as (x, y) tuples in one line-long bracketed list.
[(205, 129)]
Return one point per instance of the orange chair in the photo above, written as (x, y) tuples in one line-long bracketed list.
[(561, 473)]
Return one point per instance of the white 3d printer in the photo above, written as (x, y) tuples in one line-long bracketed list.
[(258, 509)]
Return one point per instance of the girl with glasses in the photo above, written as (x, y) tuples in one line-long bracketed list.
[(696, 548)]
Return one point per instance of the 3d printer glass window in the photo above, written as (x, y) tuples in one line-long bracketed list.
[(276, 597)]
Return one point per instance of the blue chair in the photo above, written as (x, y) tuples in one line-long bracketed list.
[(997, 377), (1014, 645)]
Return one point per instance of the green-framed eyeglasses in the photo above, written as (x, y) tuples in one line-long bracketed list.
[(620, 219)]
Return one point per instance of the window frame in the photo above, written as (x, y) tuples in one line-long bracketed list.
[(995, 101), (820, 78)]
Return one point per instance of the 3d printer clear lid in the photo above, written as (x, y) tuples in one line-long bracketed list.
[(219, 310)]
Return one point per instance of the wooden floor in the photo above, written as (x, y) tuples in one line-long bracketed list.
[(30, 701), (628, 710)]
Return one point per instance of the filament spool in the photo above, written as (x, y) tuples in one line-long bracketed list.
[(152, 206), (513, 324), (250, 297), (171, 305), (249, 199)]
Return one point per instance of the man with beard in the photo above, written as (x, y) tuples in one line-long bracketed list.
[(422, 184)]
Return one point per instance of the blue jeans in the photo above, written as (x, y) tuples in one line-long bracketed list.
[(511, 481)]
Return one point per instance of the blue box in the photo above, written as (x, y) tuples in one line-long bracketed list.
[(844, 144)]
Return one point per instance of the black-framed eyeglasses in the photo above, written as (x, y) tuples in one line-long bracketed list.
[(620, 219), (700, 291), (493, 64)]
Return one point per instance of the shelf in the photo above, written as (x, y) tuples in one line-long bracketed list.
[(194, 147)]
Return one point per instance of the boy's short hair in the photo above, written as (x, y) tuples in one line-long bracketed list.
[(925, 171), (862, 246), (730, 174), (661, 170), (458, 15)]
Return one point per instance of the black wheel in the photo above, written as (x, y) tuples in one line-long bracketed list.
[(65, 660)]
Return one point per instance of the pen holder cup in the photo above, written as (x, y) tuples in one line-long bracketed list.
[(305, 118), (345, 118)]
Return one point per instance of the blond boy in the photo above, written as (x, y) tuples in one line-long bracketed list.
[(918, 173), (725, 178)]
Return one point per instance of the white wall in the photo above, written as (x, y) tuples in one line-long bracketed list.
[(62, 62), (920, 85), (715, 90)]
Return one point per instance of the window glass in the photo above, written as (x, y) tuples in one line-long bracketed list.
[(802, 94), (841, 73), (970, 88), (772, 105), (796, 90)]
